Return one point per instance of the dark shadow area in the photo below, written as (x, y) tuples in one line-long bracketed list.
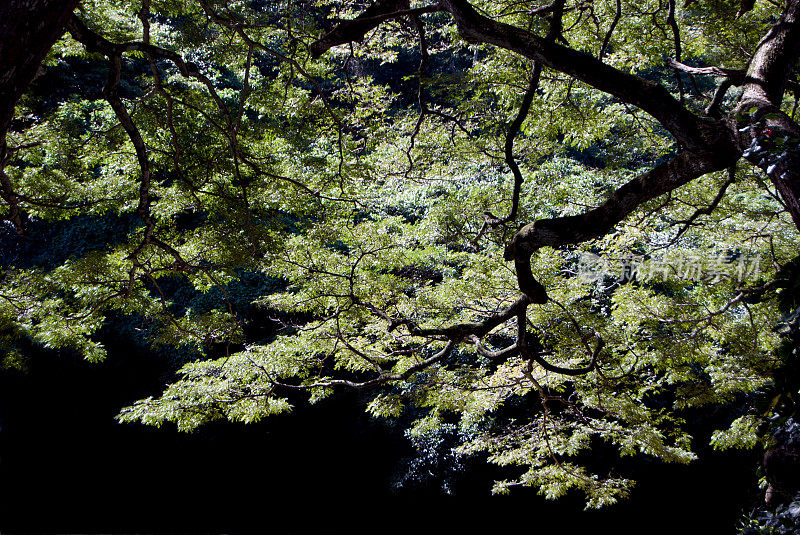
[(67, 467)]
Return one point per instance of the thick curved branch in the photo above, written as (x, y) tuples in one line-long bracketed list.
[(513, 130), (532, 351), (569, 371), (476, 28), (355, 29), (491, 220), (111, 93), (501, 354), (568, 230), (517, 349), (713, 109), (556, 28), (653, 98), (557, 232), (462, 331), (676, 39), (732, 77), (737, 75)]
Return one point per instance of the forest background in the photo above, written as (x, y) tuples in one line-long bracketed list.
[(544, 249)]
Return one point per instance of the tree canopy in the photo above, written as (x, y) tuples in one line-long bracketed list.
[(545, 228)]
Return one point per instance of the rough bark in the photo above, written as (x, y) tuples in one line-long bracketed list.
[(764, 131)]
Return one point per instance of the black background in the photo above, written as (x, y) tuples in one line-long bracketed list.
[(67, 467)]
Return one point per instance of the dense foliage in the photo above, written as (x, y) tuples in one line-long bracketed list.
[(296, 203), (784, 521)]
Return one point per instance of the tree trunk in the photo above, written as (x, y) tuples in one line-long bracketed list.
[(767, 136), (28, 29)]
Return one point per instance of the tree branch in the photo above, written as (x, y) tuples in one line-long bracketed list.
[(653, 98), (97, 43), (676, 39), (556, 27), (610, 32), (707, 210), (355, 30), (377, 381), (461, 331), (557, 232), (474, 27), (735, 74)]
